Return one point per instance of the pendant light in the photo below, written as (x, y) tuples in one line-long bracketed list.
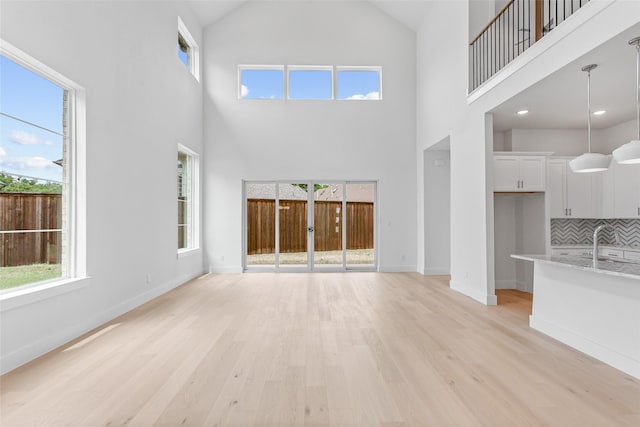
[(629, 153), (590, 162)]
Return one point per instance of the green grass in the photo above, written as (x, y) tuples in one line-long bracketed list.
[(10, 277)]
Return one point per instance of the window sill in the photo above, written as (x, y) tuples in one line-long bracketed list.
[(20, 297), (186, 252)]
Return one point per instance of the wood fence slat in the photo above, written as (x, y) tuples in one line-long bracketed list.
[(293, 226), (22, 211)]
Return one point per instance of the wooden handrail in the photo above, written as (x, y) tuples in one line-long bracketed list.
[(491, 22)]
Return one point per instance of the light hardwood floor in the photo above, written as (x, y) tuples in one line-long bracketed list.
[(343, 349)]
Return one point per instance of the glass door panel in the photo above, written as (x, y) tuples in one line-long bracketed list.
[(360, 225), (293, 223), (261, 224), (328, 239)]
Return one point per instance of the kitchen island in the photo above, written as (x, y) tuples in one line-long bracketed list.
[(594, 309)]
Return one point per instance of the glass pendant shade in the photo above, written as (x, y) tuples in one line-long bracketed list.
[(590, 162), (628, 154)]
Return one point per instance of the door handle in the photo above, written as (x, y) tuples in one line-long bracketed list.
[(310, 229)]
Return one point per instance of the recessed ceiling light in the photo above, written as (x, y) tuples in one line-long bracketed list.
[(522, 112), (599, 112)]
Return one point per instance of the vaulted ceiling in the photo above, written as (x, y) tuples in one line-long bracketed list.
[(409, 12)]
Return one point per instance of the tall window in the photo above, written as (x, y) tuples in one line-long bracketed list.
[(188, 52), (38, 175), (187, 199)]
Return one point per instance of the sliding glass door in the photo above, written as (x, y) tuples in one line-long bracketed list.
[(307, 225)]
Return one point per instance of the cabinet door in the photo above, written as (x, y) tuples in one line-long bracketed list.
[(580, 200), (532, 173), (626, 191), (555, 187), (505, 173), (604, 186)]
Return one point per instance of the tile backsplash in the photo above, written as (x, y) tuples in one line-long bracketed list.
[(570, 231)]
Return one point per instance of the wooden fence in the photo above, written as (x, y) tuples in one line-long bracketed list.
[(19, 211), (328, 225)]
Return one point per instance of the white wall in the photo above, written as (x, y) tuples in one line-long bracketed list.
[(505, 240), (437, 236), (261, 140), (141, 102), (444, 110), (481, 12), (613, 137), (568, 142)]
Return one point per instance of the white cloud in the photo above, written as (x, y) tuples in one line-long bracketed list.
[(370, 95), (23, 138), (2, 152), (23, 163), (26, 138), (244, 91)]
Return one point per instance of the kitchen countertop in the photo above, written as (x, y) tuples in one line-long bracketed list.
[(602, 246), (612, 268)]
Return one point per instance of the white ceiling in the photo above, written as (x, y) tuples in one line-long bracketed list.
[(560, 100), (408, 12)]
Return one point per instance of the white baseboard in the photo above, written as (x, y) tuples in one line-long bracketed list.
[(436, 271), (229, 269), (609, 356), (398, 269), (473, 293), (36, 349)]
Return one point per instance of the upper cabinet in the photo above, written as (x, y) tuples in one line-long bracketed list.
[(571, 195), (626, 190), (519, 173)]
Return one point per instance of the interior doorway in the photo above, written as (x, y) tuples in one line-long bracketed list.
[(310, 225)]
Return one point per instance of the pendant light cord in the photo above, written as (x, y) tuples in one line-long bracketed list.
[(589, 107), (638, 78)]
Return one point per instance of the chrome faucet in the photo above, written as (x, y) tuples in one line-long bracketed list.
[(595, 240)]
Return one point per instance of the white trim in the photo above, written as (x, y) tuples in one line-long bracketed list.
[(473, 293), (182, 253), (194, 58), (243, 67), (607, 355), (24, 295), (397, 269), (219, 270), (74, 194), (436, 272)]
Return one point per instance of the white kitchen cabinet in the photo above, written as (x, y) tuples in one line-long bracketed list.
[(626, 190), (571, 194), (519, 173)]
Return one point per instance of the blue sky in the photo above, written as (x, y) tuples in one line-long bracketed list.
[(26, 149), (309, 84)]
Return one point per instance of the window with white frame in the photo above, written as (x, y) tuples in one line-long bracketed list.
[(359, 83), (301, 82), (188, 52), (187, 175), (261, 82), (41, 173)]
